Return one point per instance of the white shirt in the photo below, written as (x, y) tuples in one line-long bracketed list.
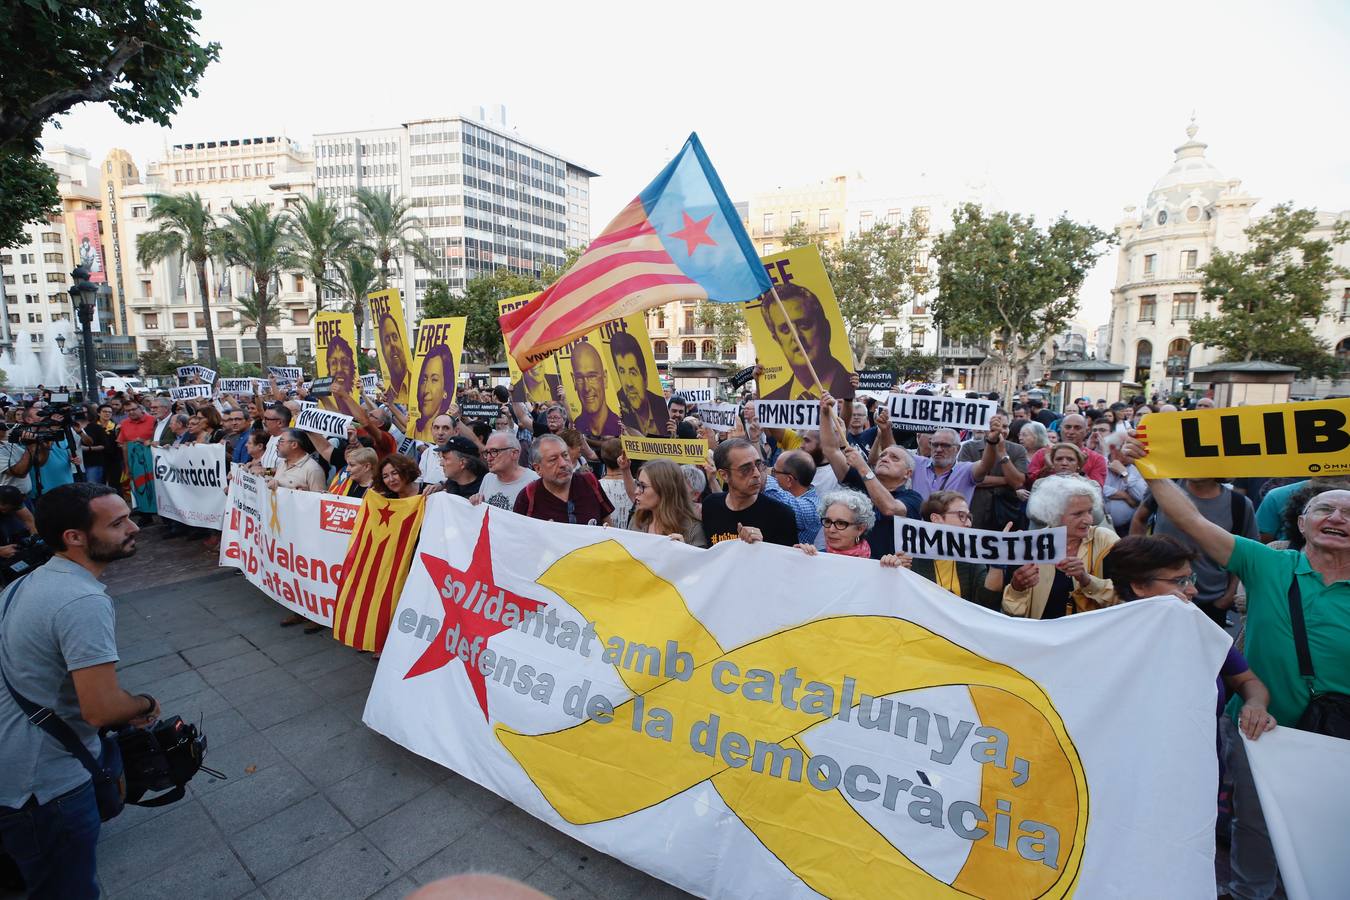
[(502, 494), (270, 459), (432, 473)]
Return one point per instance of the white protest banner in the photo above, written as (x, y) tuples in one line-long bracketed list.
[(800, 415), (323, 421), (370, 384), (720, 417), (286, 373), (236, 385), (916, 411), (191, 392), (202, 372), (697, 395), (737, 749), (1305, 797), (190, 483), (930, 540), (289, 544)]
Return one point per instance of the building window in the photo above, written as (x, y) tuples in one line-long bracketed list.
[(1143, 361), (1178, 358), (145, 289), (688, 320), (795, 217), (688, 350), (299, 284), (916, 334), (35, 317), (224, 318), (56, 277), (150, 321), (1192, 214), (768, 223), (709, 350), (823, 219), (51, 237), (1188, 260), (888, 336), (302, 346), (661, 350), (865, 221), (180, 320), (661, 313), (198, 320), (1345, 303), (1150, 264), (228, 350), (300, 317), (1183, 306), (768, 248), (53, 258), (1343, 350), (1148, 305)]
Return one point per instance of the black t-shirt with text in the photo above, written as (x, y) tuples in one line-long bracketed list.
[(774, 520)]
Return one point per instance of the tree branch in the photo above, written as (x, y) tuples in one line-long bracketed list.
[(95, 89)]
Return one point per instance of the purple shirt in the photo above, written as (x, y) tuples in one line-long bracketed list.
[(1233, 664), (959, 478)]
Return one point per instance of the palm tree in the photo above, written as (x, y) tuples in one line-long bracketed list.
[(319, 232), (187, 232), (258, 239), (358, 275), (390, 230)]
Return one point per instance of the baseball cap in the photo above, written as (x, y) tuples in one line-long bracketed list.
[(459, 444)]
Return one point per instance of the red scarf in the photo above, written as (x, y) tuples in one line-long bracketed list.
[(862, 549)]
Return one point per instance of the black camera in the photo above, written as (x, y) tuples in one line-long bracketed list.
[(31, 551)]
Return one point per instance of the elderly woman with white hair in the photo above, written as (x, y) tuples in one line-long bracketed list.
[(845, 518), (1075, 583)]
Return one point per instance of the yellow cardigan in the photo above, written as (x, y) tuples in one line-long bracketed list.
[(1098, 593)]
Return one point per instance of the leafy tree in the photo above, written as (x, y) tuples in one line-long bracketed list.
[(141, 58), (726, 321), (874, 274), (1003, 281), (257, 239), (162, 359), (910, 365), (550, 274), (187, 232), (320, 233), (483, 337), (28, 193), (231, 369), (1268, 294), (390, 230), (358, 276)]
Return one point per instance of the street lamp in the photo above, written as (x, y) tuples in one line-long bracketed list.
[(82, 295), (61, 348)]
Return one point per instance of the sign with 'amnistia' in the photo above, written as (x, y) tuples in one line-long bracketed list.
[(930, 540), (733, 749)]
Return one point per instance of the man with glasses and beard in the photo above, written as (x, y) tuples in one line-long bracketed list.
[(588, 374), (58, 650), (742, 511), (395, 354), (641, 410)]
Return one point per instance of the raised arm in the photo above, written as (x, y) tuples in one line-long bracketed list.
[(885, 434), (881, 498), (1215, 542), (829, 439)]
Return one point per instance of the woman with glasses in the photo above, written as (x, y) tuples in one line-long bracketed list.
[(1141, 567), (970, 581), (1075, 583), (661, 504), (845, 518)]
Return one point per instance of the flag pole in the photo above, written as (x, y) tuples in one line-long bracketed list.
[(773, 289)]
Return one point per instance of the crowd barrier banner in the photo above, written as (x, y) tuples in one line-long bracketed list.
[(1305, 796), (799, 415), (190, 483), (930, 540), (289, 544), (923, 413), (692, 451), (1275, 440), (720, 417), (750, 721)]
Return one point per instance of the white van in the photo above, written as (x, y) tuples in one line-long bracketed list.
[(111, 381)]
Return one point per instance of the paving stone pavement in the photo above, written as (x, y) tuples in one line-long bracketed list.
[(316, 805)]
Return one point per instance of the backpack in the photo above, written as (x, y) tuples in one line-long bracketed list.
[(532, 491)]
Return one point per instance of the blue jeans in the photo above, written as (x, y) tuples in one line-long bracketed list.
[(53, 844)]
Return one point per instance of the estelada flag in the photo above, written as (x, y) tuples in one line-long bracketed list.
[(680, 239), (378, 557)]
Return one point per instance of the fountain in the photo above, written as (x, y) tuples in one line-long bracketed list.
[(25, 368)]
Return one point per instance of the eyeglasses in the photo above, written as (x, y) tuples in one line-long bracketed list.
[(1183, 581), (751, 468), (491, 452), (640, 487), (271, 418), (942, 445), (1326, 509), (835, 524), (961, 515)]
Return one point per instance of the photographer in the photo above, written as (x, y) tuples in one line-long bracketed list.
[(47, 433), (58, 649), (17, 530)]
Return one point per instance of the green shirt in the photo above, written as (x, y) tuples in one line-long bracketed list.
[(1267, 573)]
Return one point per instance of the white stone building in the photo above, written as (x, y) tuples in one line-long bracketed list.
[(1192, 211)]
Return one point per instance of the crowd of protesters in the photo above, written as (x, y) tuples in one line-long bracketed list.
[(1231, 548)]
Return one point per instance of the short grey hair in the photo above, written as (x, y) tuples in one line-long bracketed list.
[(510, 437), (1039, 435), (904, 451), (863, 512), (1050, 497), (694, 477), (539, 443)]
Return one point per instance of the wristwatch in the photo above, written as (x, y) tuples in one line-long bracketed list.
[(1004, 459), (870, 476)]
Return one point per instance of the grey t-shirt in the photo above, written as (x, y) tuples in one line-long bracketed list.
[(60, 619), (1211, 579), (10, 454), (502, 494)]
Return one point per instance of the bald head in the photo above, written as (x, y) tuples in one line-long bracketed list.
[(1073, 429), (798, 465)]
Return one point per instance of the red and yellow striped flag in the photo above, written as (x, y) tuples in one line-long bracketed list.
[(381, 551)]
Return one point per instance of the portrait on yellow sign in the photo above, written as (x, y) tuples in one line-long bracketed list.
[(335, 358), (540, 384), (435, 372), (386, 319)]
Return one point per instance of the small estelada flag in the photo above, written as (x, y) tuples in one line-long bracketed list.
[(383, 544)]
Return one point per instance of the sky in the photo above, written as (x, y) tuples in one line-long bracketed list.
[(1064, 108)]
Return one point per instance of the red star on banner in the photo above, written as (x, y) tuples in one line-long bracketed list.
[(694, 234), (386, 514), (475, 609)]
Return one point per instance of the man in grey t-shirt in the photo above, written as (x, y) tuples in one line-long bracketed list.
[(1215, 588), (58, 650)]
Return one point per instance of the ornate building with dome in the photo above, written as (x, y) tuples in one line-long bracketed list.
[(1192, 211)]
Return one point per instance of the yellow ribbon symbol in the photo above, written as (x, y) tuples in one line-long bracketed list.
[(595, 772), (274, 522)]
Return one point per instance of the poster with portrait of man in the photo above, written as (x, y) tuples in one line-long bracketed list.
[(637, 384), (335, 357), (804, 289), (590, 386), (391, 339), (435, 372), (539, 384)]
